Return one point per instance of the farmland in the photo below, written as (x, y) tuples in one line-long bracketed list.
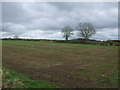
[(62, 64)]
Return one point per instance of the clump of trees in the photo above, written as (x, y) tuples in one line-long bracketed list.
[(85, 30)]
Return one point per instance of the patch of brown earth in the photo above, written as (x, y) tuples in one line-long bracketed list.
[(56, 67)]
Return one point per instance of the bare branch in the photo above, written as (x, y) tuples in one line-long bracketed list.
[(67, 32), (86, 30)]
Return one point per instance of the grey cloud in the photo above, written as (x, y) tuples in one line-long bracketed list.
[(51, 17), (12, 12)]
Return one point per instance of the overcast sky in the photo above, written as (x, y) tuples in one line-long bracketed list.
[(44, 20)]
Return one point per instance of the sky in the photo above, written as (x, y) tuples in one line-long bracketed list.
[(44, 20)]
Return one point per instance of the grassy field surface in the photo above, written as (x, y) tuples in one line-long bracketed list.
[(12, 79), (64, 65)]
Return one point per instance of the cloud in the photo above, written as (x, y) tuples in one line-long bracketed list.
[(13, 28), (42, 34), (107, 33), (45, 20)]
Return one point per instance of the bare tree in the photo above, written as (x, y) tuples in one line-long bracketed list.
[(86, 30), (67, 32), (16, 37)]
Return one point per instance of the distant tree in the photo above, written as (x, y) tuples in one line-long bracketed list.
[(67, 32), (16, 37), (86, 30)]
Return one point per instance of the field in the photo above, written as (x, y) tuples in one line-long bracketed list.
[(64, 65), (12, 79)]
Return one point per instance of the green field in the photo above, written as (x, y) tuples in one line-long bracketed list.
[(12, 79), (61, 64)]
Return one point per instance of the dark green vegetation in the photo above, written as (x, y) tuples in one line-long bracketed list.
[(62, 64), (92, 42), (12, 79)]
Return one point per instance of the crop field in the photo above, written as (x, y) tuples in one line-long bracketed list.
[(61, 64)]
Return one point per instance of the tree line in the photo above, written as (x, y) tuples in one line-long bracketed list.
[(86, 30)]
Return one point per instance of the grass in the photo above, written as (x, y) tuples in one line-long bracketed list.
[(110, 64), (12, 79), (99, 76), (47, 76), (61, 63), (42, 43)]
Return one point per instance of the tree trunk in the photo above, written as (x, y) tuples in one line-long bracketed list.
[(66, 38)]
